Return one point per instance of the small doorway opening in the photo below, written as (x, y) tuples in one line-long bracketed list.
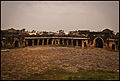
[(49, 42), (54, 42), (35, 42), (45, 41), (74, 42), (113, 46), (40, 42), (69, 42), (60, 41), (84, 44), (30, 42), (80, 43), (65, 42), (16, 44)]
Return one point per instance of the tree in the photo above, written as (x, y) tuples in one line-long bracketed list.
[(23, 30)]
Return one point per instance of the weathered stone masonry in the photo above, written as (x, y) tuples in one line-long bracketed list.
[(83, 42), (67, 41)]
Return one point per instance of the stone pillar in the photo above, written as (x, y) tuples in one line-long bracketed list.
[(72, 42), (76, 42), (38, 42), (9, 45), (58, 41), (47, 41), (32, 42), (105, 46), (82, 43), (55, 41), (3, 43), (19, 44), (42, 41), (52, 41), (63, 41), (26, 42), (67, 43), (87, 43)]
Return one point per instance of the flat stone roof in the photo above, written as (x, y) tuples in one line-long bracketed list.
[(56, 37)]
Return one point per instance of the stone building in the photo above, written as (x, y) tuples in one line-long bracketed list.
[(82, 38)]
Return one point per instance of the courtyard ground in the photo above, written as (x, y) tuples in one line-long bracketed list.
[(42, 62)]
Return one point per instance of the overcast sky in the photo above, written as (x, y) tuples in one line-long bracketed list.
[(56, 15)]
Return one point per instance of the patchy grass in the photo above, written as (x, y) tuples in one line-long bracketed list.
[(49, 74), (61, 74)]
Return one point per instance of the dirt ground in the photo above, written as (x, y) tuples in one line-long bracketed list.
[(19, 62)]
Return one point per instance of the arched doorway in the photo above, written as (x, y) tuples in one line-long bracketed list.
[(99, 43), (16, 44)]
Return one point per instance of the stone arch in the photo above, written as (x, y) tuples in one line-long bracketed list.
[(16, 43), (98, 42)]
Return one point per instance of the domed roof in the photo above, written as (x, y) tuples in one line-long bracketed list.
[(107, 31)]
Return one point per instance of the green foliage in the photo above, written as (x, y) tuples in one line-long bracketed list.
[(62, 74), (49, 74)]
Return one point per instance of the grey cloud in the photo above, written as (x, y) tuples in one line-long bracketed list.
[(52, 16)]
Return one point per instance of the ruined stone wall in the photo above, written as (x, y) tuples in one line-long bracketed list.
[(19, 41), (9, 42)]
